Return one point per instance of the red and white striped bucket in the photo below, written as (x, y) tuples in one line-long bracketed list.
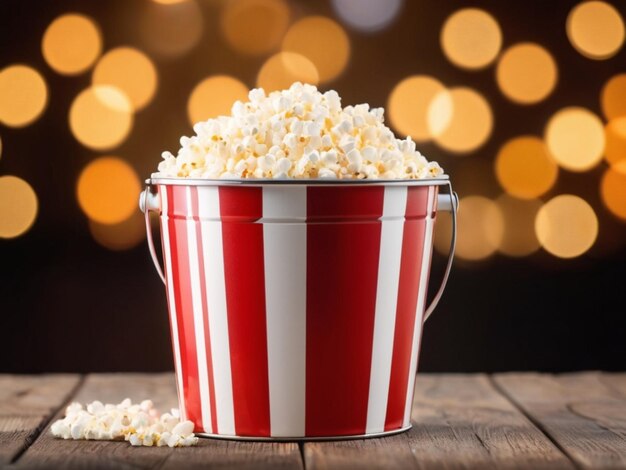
[(296, 309)]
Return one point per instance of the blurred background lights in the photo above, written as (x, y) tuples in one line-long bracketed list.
[(122, 236), (471, 38), (18, 206), (108, 190), (71, 44), (254, 27), (282, 69), (214, 96), (519, 238), (566, 226), (408, 106), (613, 97), (613, 190), (615, 141), (367, 15), (524, 167), (170, 29), (575, 138), (23, 95), (460, 119), (595, 29), (101, 117), (131, 71), (323, 42), (526, 73)]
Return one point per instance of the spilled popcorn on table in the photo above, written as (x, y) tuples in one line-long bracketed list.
[(297, 133), (139, 424)]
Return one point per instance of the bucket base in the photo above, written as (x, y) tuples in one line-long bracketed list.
[(304, 439)]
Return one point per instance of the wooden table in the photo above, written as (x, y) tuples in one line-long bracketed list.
[(514, 420)]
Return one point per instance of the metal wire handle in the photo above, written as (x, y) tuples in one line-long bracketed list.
[(146, 207)]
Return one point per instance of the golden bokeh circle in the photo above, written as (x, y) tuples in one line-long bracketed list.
[(519, 237), (282, 69), (595, 29), (101, 117), (575, 138), (526, 73), (254, 27), (566, 226), (23, 94), (615, 141), (613, 190), (71, 43), (108, 190), (18, 206), (471, 38), (524, 167), (460, 119), (323, 42), (214, 96), (408, 106), (129, 70), (122, 236), (613, 97)]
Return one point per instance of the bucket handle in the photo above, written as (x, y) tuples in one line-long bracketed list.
[(149, 201), (448, 203)]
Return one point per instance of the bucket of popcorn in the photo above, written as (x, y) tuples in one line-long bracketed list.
[(297, 242)]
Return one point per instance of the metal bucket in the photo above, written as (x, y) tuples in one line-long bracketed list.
[(296, 308)]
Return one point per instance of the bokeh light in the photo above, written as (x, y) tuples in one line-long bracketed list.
[(122, 236), (108, 190), (101, 117), (566, 226), (526, 73), (254, 27), (613, 97), (282, 69), (172, 29), (480, 229), (214, 96), (131, 71), (575, 138), (71, 44), (595, 29), (409, 103), (460, 119), (18, 206), (471, 38), (367, 15), (615, 141), (519, 238), (23, 95), (323, 42), (524, 167), (613, 190)]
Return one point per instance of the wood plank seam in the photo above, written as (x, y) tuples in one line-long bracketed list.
[(536, 422)]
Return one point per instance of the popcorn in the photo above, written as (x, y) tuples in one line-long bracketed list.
[(139, 424), (297, 133)]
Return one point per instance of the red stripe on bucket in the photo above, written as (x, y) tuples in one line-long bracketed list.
[(207, 332), (245, 299), (410, 270), (342, 270), (178, 211)]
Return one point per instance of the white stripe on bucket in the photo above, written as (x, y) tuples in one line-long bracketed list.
[(209, 213), (421, 300), (392, 221), (284, 246), (198, 315), (167, 253)]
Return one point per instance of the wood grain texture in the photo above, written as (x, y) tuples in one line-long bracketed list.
[(459, 421), (48, 452), (26, 404), (583, 415)]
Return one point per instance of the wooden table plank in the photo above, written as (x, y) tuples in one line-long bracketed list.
[(48, 452), (583, 416), (459, 421), (26, 405)]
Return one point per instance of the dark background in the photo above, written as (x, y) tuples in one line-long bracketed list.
[(69, 304)]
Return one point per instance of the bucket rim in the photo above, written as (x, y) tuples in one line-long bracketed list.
[(439, 181)]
